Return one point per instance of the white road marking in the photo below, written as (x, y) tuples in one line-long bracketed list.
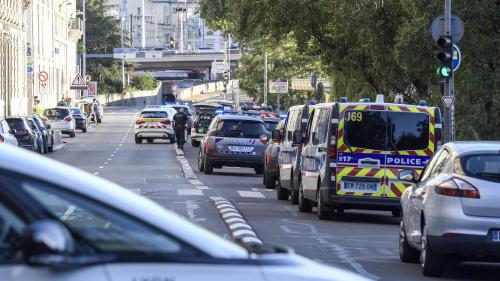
[(106, 163), (189, 192), (251, 194), (243, 232), (216, 198), (236, 225), (228, 215), (96, 173), (112, 155), (202, 187), (261, 189), (250, 239), (68, 212), (100, 167), (109, 159), (231, 220), (228, 210), (195, 182)]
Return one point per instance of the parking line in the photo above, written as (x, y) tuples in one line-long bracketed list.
[(251, 194), (189, 192)]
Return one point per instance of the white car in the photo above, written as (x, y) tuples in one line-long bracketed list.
[(155, 123), (6, 133), (453, 211), (60, 223), (60, 119)]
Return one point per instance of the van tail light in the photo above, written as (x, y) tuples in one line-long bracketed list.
[(456, 187), (68, 118), (166, 122), (139, 122), (332, 151)]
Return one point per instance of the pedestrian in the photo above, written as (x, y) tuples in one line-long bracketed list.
[(180, 122), (38, 110)]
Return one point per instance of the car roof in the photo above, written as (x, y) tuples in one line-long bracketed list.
[(467, 147), (240, 117), (371, 103), (24, 162)]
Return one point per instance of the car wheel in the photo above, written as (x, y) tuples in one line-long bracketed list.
[(406, 252), (259, 170), (431, 262), (269, 182), (150, 140), (324, 212), (51, 146), (281, 193), (138, 140), (195, 143), (294, 191), (208, 167), (305, 205), (201, 165)]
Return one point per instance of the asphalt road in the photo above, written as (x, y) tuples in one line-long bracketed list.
[(365, 242)]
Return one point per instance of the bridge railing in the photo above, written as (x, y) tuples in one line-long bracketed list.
[(202, 89)]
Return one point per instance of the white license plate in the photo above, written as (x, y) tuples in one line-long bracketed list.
[(354, 186), (240, 148), (495, 235)]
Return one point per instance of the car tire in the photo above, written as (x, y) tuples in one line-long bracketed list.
[(431, 262), (51, 147), (208, 168), (201, 164), (259, 170), (269, 182), (305, 205), (282, 193), (138, 140), (324, 212), (407, 253), (294, 192), (195, 143), (150, 140)]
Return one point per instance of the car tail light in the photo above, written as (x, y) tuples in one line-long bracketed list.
[(165, 122), (456, 187), (207, 147), (139, 122), (332, 151), (68, 118), (1, 139)]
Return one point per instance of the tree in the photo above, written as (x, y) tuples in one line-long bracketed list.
[(144, 82)]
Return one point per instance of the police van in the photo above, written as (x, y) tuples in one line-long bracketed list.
[(353, 152)]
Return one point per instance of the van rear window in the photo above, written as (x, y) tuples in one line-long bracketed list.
[(154, 114), (386, 130)]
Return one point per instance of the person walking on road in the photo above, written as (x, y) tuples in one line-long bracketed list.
[(180, 122)]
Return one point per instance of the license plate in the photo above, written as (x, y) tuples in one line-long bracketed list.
[(495, 235), (240, 148), (354, 186)]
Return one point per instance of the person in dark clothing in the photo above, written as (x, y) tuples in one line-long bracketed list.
[(180, 122)]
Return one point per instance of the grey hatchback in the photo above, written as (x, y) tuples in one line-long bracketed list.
[(236, 141)]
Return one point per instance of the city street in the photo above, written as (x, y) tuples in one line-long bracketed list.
[(365, 242)]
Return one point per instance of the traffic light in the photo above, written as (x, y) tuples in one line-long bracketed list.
[(172, 42), (445, 55)]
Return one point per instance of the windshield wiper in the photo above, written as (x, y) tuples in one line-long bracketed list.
[(394, 147), (348, 146)]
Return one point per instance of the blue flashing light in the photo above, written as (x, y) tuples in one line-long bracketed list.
[(422, 103)]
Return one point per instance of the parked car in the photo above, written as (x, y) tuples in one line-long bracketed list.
[(453, 209), (23, 132), (81, 119), (6, 133), (60, 119), (60, 223), (235, 141), (40, 138), (271, 167), (200, 127), (48, 136)]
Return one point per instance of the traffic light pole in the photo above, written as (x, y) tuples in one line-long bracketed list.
[(448, 83)]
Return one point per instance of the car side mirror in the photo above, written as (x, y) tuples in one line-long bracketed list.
[(47, 243), (407, 176), (276, 135), (297, 137), (12, 131)]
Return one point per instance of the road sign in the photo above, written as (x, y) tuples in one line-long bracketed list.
[(43, 76), (457, 28), (448, 100), (235, 84), (78, 83), (29, 69), (278, 86), (218, 66), (457, 58), (124, 53), (92, 92), (43, 87)]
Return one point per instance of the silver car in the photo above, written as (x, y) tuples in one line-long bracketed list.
[(6, 133), (453, 210)]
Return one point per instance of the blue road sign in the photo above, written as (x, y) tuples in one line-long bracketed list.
[(29, 69), (124, 50), (457, 58)]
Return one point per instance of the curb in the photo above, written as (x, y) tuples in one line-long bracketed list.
[(236, 224)]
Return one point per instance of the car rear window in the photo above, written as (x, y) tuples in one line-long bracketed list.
[(242, 129), (56, 113), (271, 125), (204, 121), (386, 130), (15, 123), (154, 114), (483, 166)]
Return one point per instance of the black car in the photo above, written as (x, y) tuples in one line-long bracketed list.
[(40, 138), (271, 167), (80, 119), (48, 136), (26, 137)]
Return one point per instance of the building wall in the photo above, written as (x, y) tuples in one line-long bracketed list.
[(53, 38), (13, 96)]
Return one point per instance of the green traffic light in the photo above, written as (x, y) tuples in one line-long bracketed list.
[(443, 71)]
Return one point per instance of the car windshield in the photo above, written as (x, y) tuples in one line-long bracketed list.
[(154, 114), (56, 113), (16, 123), (483, 166), (386, 130), (204, 122), (271, 125), (243, 129), (76, 111)]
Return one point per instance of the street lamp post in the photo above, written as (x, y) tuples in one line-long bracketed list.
[(84, 54)]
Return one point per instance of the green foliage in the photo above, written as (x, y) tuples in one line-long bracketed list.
[(379, 46), (103, 34), (143, 82)]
